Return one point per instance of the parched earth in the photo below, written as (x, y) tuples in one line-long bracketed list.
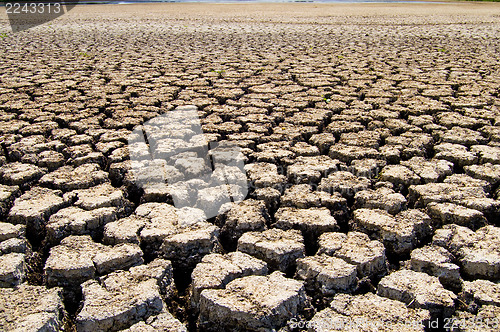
[(371, 143)]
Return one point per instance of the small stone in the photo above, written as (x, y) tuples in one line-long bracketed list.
[(187, 246), (418, 290), (327, 274), (248, 215), (255, 302), (103, 195), (279, 248), (264, 175)]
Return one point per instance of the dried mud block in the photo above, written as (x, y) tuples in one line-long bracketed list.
[(399, 175), (125, 230), (69, 178), (487, 172), (78, 258), (253, 303), (123, 298), (368, 313), (311, 169), (323, 141), (486, 153), (246, 216), (418, 290), (31, 308), (302, 196), (348, 153), (458, 154), (12, 269), (20, 174), (481, 292), (35, 206), (216, 271), (478, 252), (381, 198), (76, 221), (486, 320), (449, 213), (7, 196), (270, 196), (463, 136), (400, 233), (429, 170), (473, 197), (187, 246), (411, 144), (279, 248), (327, 274), (368, 168), (355, 248), (438, 262), (103, 195), (345, 183), (164, 321), (264, 175), (312, 221)]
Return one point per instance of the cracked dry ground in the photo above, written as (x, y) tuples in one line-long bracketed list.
[(372, 144)]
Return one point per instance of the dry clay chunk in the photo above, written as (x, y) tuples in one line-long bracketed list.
[(279, 248), (123, 298), (34, 207), (400, 233), (479, 252), (31, 308), (78, 258), (313, 220), (69, 178), (418, 290), (437, 261), (216, 271), (355, 248), (368, 313), (327, 274), (482, 292), (258, 303), (164, 321)]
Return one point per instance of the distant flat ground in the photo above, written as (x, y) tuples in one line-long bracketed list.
[(302, 11)]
